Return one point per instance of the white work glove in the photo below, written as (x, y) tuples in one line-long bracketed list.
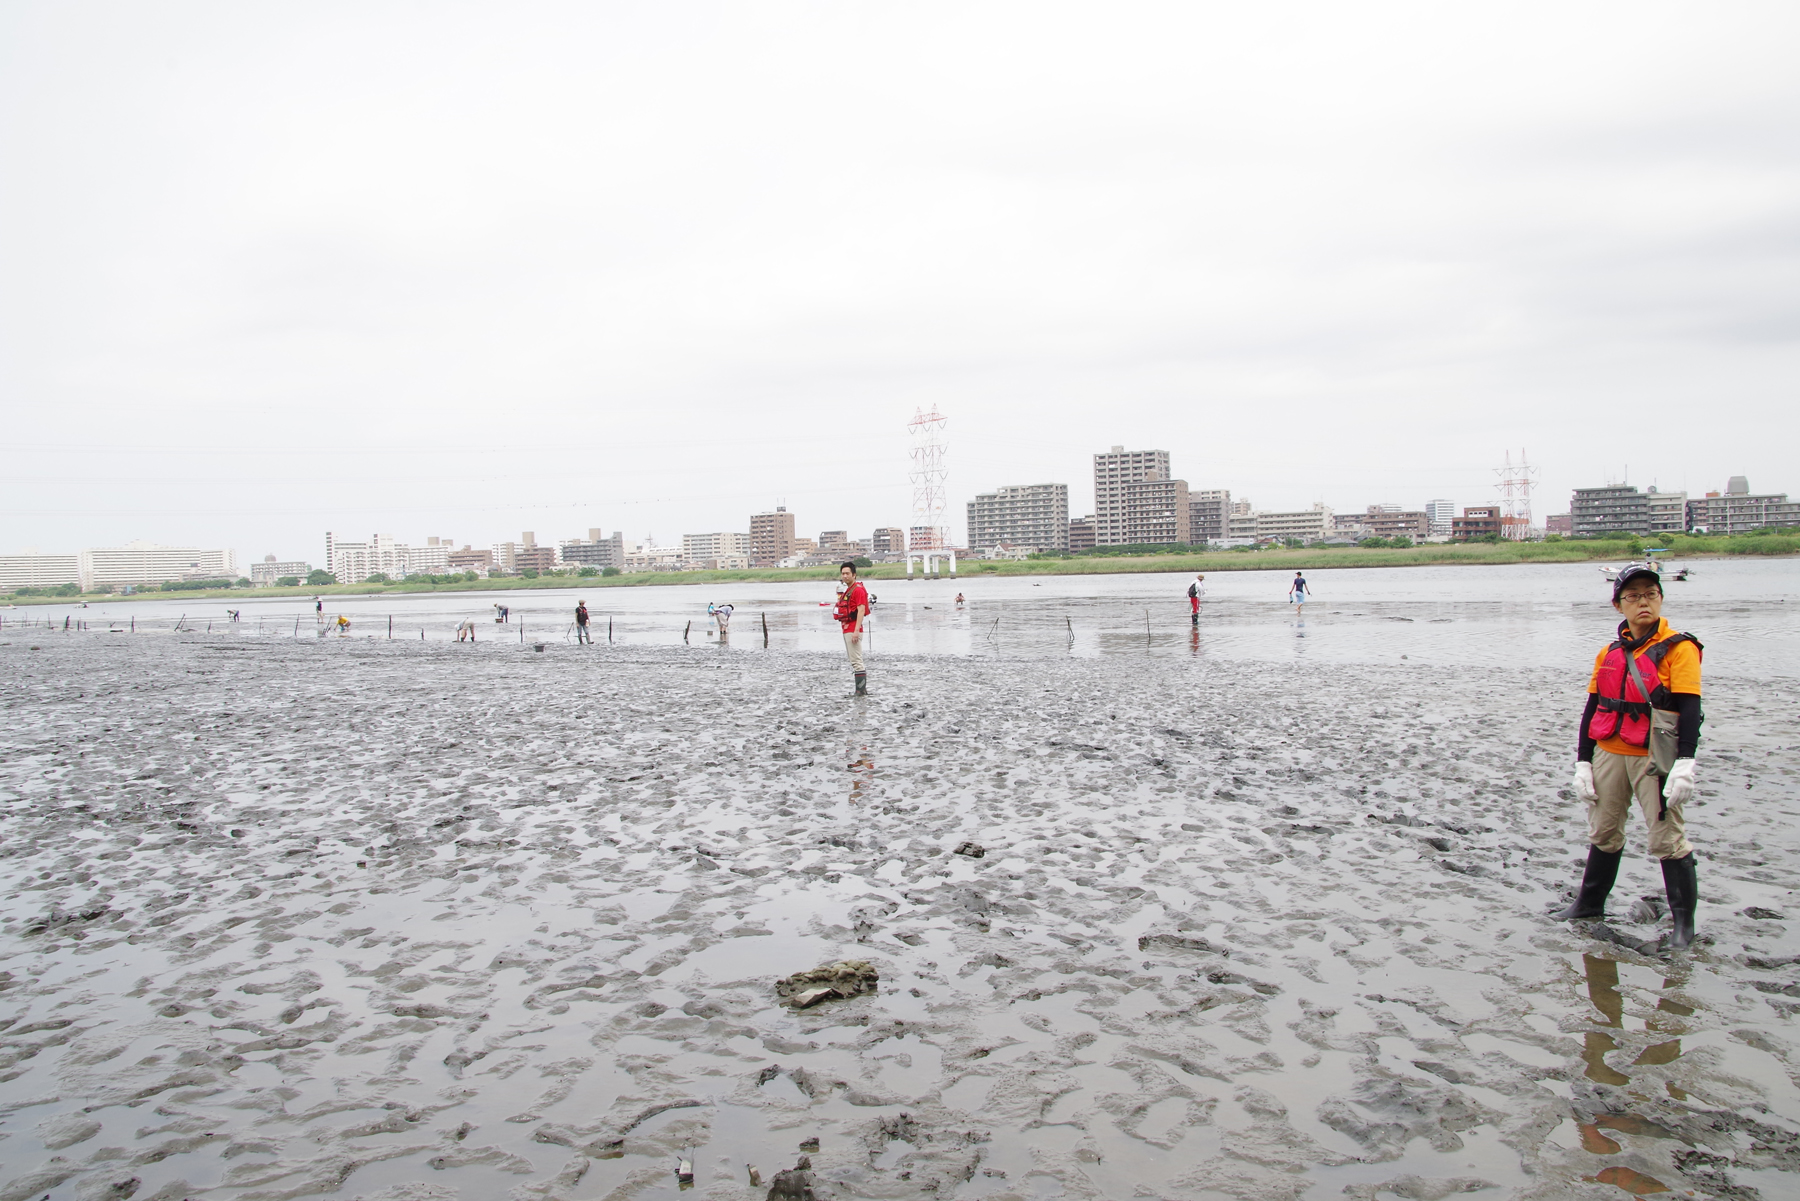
[(1584, 782), (1680, 784)]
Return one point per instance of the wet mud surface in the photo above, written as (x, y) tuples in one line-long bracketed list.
[(422, 921)]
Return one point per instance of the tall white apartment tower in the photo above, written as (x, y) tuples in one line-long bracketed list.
[(1438, 514)]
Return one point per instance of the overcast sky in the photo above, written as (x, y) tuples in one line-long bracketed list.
[(466, 270)]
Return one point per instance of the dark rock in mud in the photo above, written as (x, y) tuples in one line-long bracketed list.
[(972, 849), (836, 981), (795, 1183)]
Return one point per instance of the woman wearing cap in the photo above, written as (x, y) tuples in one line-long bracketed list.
[(1638, 736)]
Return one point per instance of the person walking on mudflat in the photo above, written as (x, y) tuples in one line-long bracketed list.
[(1196, 594), (581, 623), (852, 611), (1297, 590), (1637, 741)]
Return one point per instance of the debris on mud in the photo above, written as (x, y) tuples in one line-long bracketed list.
[(973, 850), (836, 981)]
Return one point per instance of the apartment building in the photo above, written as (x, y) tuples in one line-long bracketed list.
[(1035, 515), (771, 537), (352, 561), (1389, 521), (33, 570), (1667, 511), (1738, 510), (1614, 509), (1081, 533), (1439, 515), (1209, 515), (1560, 523), (708, 548), (469, 559), (1476, 521), (595, 550), (149, 563), (887, 540), (1136, 501), (1308, 525), (265, 574)]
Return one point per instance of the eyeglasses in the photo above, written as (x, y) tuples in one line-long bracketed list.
[(1638, 598)]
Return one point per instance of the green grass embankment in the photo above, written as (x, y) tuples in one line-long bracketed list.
[(1306, 559)]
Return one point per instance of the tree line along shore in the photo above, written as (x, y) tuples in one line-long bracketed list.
[(1102, 563)]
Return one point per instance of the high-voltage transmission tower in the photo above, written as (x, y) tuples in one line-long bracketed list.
[(1515, 498), (929, 473)]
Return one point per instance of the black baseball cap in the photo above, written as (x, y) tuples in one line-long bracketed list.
[(1635, 571)]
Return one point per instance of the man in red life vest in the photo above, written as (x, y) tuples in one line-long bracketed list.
[(852, 610), (1638, 736)]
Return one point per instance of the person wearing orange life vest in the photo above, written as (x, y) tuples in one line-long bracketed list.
[(1644, 682), (851, 612)]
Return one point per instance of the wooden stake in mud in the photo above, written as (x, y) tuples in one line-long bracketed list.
[(765, 618), (390, 627), (296, 626), (1146, 625), (684, 632), (609, 631)]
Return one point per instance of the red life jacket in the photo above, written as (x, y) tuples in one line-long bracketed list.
[(1623, 711), (845, 611)]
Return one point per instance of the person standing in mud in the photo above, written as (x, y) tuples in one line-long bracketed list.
[(581, 623), (1196, 594), (1638, 736), (1297, 590), (851, 612)]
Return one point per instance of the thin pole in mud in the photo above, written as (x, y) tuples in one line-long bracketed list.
[(685, 631), (296, 626), (391, 627), (609, 631), (765, 619), (421, 632)]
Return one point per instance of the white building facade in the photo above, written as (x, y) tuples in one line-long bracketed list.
[(149, 563), (33, 570)]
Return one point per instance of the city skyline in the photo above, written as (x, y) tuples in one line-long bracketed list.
[(1331, 258)]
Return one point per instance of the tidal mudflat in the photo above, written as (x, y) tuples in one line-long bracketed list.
[(358, 918)]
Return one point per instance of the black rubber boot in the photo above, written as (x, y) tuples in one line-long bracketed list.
[(1684, 896), (862, 683), (1596, 883)]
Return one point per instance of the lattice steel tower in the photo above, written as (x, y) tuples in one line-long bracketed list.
[(1515, 498), (929, 472)]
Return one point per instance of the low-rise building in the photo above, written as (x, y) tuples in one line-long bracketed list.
[(1614, 509), (1081, 533), (469, 559), (1476, 521), (1738, 510), (271, 569), (1560, 523), (1388, 521)]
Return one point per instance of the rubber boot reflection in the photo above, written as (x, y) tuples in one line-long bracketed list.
[(862, 775), (1603, 992)]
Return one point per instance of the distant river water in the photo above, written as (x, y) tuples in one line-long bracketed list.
[(1746, 611)]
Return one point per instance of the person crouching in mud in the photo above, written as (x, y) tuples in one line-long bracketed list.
[(851, 612), (1638, 736)]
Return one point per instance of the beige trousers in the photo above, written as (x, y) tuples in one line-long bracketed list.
[(1618, 779), (853, 648)]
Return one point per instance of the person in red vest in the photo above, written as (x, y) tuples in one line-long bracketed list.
[(1638, 736), (851, 612)]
